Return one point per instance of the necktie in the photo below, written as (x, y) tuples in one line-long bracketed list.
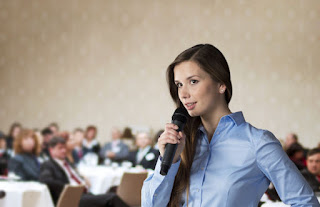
[(73, 176)]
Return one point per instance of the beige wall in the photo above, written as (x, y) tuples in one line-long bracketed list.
[(103, 62)]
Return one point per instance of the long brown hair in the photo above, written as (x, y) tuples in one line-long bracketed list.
[(18, 149), (212, 61)]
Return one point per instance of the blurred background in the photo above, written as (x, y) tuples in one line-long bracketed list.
[(103, 62)]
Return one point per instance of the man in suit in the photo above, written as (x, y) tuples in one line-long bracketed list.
[(57, 172), (145, 155), (312, 173), (116, 150)]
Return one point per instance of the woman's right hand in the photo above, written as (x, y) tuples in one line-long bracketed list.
[(171, 136)]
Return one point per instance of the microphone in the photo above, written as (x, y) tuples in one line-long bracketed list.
[(179, 118)]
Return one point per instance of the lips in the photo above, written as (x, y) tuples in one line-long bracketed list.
[(190, 105)]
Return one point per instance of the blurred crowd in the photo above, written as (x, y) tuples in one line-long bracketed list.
[(24, 151), (50, 155)]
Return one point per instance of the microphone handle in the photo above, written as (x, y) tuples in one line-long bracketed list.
[(170, 151)]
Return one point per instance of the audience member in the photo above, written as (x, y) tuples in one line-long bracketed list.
[(145, 155), (291, 138), (54, 127), (25, 163), (115, 150), (312, 172), (90, 143), (57, 172), (78, 136), (13, 133), (128, 138), (4, 155), (296, 154), (47, 135), (70, 144)]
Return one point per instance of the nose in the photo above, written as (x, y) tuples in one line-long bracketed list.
[(184, 92)]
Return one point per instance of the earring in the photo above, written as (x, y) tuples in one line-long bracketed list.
[(222, 91)]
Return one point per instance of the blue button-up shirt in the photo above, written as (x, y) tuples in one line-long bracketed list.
[(232, 170)]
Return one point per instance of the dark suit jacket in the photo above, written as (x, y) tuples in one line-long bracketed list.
[(94, 149), (4, 159), (54, 177), (312, 180), (146, 162), (25, 165), (120, 156)]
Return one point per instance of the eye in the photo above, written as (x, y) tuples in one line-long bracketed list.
[(179, 85), (194, 81)]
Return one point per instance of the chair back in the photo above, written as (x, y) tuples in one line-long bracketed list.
[(130, 187), (70, 196)]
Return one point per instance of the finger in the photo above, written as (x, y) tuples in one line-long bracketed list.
[(171, 126), (168, 138), (173, 132)]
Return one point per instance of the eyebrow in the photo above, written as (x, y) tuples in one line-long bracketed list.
[(188, 78)]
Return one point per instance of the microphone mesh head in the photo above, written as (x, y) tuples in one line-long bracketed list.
[(180, 114)]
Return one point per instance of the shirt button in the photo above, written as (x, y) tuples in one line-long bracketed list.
[(155, 194), (202, 168)]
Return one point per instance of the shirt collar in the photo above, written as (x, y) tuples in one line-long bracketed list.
[(236, 117)]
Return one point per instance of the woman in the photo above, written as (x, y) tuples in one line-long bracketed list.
[(221, 160), (90, 144), (12, 135), (128, 138), (25, 163)]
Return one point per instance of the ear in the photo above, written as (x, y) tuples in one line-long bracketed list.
[(222, 88)]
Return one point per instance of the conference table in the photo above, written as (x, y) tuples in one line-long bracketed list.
[(102, 178), (25, 194)]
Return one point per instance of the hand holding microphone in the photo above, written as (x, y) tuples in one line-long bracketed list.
[(171, 142)]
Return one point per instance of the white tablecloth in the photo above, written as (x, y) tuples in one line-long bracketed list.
[(102, 178), (25, 194)]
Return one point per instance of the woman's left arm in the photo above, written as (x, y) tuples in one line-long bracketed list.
[(291, 186)]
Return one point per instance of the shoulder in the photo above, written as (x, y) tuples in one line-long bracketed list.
[(19, 158), (256, 135), (48, 164)]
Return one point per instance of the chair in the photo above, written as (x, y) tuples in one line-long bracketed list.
[(30, 198), (70, 196), (130, 187)]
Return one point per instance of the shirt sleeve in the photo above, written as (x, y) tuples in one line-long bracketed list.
[(281, 171), (156, 190)]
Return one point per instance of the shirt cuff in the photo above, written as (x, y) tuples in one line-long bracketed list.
[(172, 171)]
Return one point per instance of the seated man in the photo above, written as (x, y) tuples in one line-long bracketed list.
[(115, 151), (57, 172), (312, 173), (145, 155)]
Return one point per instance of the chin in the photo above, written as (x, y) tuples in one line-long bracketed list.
[(193, 113)]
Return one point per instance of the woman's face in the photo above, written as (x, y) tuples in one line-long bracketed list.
[(16, 131), (197, 91), (28, 144), (91, 134), (71, 143), (78, 136)]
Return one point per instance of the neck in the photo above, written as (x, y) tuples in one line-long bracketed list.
[(211, 120), (142, 148)]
